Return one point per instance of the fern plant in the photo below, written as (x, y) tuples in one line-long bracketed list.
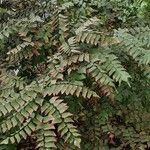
[(61, 62)]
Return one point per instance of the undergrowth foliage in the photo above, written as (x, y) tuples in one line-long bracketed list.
[(74, 71)]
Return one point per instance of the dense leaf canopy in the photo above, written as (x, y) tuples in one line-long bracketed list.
[(75, 74)]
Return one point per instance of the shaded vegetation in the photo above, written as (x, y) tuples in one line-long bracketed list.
[(75, 74)]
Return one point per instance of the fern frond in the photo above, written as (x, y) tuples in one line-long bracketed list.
[(99, 74), (5, 33), (67, 5), (57, 109), (142, 34), (77, 58), (89, 23), (63, 24), (146, 72), (89, 37), (135, 46), (26, 130), (69, 47), (85, 35), (59, 24), (55, 73), (46, 137), (115, 69), (70, 89), (145, 59), (19, 117), (108, 91), (55, 20), (20, 52)]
